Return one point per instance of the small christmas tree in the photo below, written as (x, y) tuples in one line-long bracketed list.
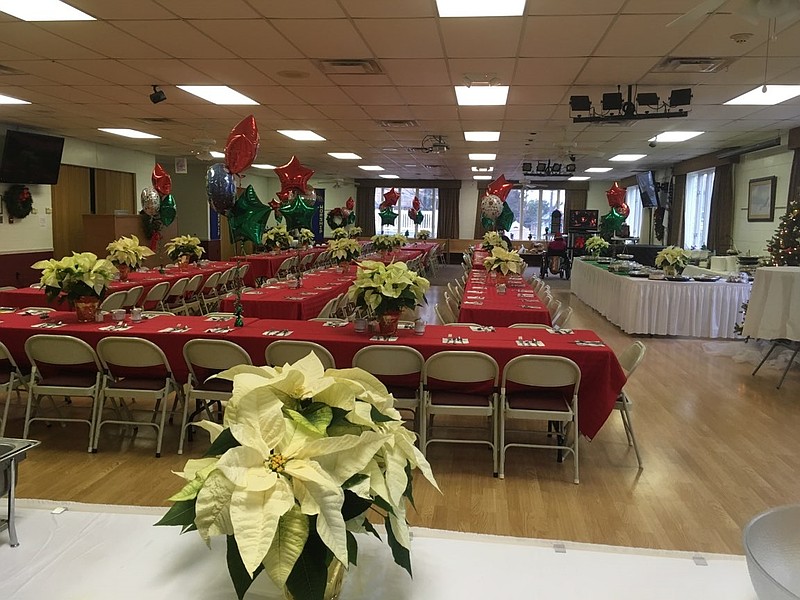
[(784, 247)]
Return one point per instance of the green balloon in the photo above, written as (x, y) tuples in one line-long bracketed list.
[(506, 218), (298, 213), (248, 217), (167, 210)]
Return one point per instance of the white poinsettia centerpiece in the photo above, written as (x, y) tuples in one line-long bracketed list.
[(184, 245), (504, 261), (300, 458), (344, 250), (128, 251)]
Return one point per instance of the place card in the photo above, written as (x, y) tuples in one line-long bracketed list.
[(529, 343), (47, 325), (335, 324), (278, 332), (590, 343), (383, 338), (116, 327), (482, 328), (455, 340)]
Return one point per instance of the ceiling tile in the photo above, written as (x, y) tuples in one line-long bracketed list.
[(480, 38), (240, 36), (401, 38), (176, 38)]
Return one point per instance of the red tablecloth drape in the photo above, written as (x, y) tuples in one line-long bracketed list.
[(482, 304)]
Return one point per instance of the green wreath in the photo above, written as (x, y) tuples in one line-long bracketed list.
[(19, 201)]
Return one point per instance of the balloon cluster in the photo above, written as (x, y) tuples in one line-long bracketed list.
[(414, 213), (342, 216), (297, 198), (388, 216), (158, 205), (495, 213), (611, 222)]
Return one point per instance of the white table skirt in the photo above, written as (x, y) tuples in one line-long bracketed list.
[(642, 306), (774, 309)]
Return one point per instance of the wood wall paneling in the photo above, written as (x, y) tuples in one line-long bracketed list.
[(71, 198)]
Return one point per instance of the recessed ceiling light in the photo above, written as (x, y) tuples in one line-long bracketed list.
[(263, 166), (627, 157), (479, 177), (218, 94), (599, 170), (480, 8), (481, 95), (344, 155), (480, 156), (370, 168), (9, 100), (302, 135), (481, 136), (482, 169), (389, 176), (216, 154), (574, 178), (130, 133), (675, 136), (767, 95), (43, 10)]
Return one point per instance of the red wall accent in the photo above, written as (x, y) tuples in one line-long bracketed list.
[(15, 269)]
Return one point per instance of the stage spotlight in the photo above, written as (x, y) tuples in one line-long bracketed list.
[(157, 95), (682, 97)]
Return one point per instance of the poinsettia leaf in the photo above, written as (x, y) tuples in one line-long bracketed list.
[(224, 442), (352, 549), (181, 513), (308, 577), (354, 505), (401, 554), (239, 576)]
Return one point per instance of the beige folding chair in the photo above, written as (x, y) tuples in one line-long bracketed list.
[(281, 352), (541, 388), (155, 297), (12, 379), (399, 368), (208, 293), (461, 383), (562, 317), (132, 297), (444, 314), (136, 369), (114, 301), (173, 301), (204, 359), (191, 295), (62, 365), (629, 360)]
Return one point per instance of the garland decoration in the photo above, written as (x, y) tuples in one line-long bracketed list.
[(19, 201)]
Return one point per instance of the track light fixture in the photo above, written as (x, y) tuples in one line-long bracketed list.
[(617, 107), (157, 95)]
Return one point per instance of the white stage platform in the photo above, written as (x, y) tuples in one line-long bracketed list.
[(93, 552)]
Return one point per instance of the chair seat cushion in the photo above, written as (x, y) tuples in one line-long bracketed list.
[(442, 398), (137, 383), (540, 400), (76, 380)]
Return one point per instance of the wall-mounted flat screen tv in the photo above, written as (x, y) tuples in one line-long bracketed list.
[(31, 158)]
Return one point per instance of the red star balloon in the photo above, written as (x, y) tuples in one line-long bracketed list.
[(161, 180), (242, 145), (391, 197), (350, 204), (616, 195), (500, 187), (293, 175)]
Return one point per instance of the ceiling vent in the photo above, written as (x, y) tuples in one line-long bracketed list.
[(349, 66), (673, 64), (398, 123)]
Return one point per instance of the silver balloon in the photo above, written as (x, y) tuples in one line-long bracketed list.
[(151, 201), (491, 206)]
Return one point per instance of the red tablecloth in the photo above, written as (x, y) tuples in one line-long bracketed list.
[(265, 266), (482, 304), (35, 297), (279, 301), (601, 376)]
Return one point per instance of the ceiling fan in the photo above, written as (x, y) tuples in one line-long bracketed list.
[(750, 10)]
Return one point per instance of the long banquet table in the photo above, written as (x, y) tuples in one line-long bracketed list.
[(601, 375), (659, 307), (482, 304), (24, 297)]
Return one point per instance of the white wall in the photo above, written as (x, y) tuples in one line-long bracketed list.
[(34, 233)]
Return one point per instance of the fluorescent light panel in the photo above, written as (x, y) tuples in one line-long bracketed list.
[(216, 154), (370, 168), (43, 10), (389, 176), (263, 166), (302, 135), (482, 169), (675, 136), (130, 133), (480, 156), (774, 94), (599, 170), (480, 177), (344, 155), (481, 95), (9, 100), (481, 136), (480, 8), (575, 178), (218, 94), (627, 157)]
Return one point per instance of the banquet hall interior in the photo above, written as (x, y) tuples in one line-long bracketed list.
[(650, 124)]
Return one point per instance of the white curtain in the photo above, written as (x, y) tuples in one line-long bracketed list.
[(697, 208), (634, 201)]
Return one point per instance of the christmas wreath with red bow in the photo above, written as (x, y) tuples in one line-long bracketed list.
[(19, 201)]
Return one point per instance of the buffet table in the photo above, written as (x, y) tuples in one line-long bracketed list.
[(659, 307), (482, 304)]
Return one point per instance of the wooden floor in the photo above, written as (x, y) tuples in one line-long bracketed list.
[(719, 446)]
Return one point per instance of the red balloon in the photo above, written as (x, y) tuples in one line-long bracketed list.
[(293, 176), (391, 197), (161, 180), (350, 204), (624, 210), (616, 195), (242, 145), (416, 204), (500, 187)]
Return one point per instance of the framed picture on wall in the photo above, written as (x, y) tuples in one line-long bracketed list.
[(761, 199)]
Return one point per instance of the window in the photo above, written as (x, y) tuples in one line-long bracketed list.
[(532, 210), (428, 198), (697, 208), (633, 199)]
